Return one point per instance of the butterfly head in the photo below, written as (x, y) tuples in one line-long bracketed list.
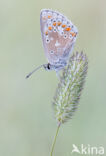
[(47, 66)]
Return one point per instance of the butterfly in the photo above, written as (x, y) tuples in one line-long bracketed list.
[(58, 36)]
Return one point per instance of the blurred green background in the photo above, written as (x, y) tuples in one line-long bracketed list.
[(27, 124)]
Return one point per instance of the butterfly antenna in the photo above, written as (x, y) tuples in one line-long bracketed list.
[(34, 71)]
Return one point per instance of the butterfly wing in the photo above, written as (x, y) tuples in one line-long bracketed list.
[(58, 35)]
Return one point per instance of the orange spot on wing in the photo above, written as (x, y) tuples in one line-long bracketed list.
[(68, 29), (59, 23), (54, 23), (50, 28), (46, 33), (63, 25), (73, 34), (49, 16)]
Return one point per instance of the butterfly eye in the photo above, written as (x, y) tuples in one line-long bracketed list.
[(48, 66)]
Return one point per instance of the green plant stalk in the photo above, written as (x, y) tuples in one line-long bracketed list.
[(54, 142), (69, 90)]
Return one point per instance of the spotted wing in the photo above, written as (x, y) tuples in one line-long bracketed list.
[(58, 35)]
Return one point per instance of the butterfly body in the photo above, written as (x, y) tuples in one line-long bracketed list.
[(59, 36), (55, 67)]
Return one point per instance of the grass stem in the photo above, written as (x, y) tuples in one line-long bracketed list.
[(53, 145)]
